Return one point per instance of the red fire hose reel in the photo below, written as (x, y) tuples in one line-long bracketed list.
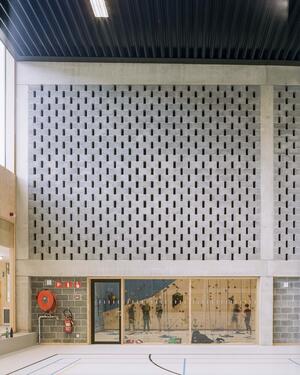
[(46, 301)]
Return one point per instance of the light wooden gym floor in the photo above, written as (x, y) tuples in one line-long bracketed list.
[(134, 360)]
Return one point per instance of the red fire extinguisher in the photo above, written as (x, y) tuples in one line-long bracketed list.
[(68, 321)]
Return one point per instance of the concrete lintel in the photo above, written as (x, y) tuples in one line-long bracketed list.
[(157, 268), (135, 73), (281, 268), (255, 268)]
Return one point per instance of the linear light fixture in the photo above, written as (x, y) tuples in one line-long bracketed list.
[(99, 8)]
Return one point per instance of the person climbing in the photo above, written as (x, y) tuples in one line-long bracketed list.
[(247, 319), (146, 315), (159, 312), (235, 316), (131, 317)]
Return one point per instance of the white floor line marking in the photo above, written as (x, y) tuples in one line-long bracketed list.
[(184, 354), (49, 364), (66, 367), (296, 363), (31, 364), (201, 356)]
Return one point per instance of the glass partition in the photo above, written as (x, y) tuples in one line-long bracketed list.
[(175, 311), (156, 311), (106, 314), (223, 311)]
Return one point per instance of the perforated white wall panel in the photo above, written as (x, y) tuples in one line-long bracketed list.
[(287, 171), (144, 172)]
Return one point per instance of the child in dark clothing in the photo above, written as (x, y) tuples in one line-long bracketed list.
[(131, 317), (247, 313), (235, 316), (146, 315)]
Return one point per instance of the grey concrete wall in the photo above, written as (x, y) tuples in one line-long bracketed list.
[(287, 310), (266, 268), (52, 330), (144, 172), (287, 172)]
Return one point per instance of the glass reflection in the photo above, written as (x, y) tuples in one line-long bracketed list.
[(223, 311), (156, 311), (106, 311)]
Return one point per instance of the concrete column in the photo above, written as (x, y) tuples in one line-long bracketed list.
[(265, 302), (23, 283), (22, 246), (23, 303), (267, 178), (265, 311)]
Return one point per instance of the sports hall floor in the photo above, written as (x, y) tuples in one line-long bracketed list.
[(134, 360)]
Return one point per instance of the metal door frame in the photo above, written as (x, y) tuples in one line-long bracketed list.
[(92, 333)]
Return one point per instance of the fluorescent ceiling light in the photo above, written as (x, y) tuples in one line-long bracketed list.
[(99, 8)]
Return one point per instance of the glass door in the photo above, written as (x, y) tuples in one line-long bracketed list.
[(106, 311)]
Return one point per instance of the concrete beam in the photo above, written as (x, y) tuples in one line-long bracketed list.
[(133, 73), (151, 268)]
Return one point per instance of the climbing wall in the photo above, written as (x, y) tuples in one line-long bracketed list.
[(173, 317), (213, 301)]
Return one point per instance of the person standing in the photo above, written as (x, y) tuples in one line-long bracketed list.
[(235, 316), (159, 312), (146, 315), (131, 317), (247, 313)]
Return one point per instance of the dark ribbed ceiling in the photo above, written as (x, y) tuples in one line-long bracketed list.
[(235, 31)]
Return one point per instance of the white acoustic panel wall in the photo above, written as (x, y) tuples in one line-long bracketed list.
[(287, 172), (144, 172)]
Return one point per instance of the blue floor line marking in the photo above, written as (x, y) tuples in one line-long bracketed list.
[(184, 366), (68, 365)]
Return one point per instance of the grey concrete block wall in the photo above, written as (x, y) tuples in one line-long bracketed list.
[(52, 330), (287, 172), (144, 172), (286, 322)]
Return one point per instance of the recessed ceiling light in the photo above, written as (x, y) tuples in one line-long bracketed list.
[(99, 8)]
